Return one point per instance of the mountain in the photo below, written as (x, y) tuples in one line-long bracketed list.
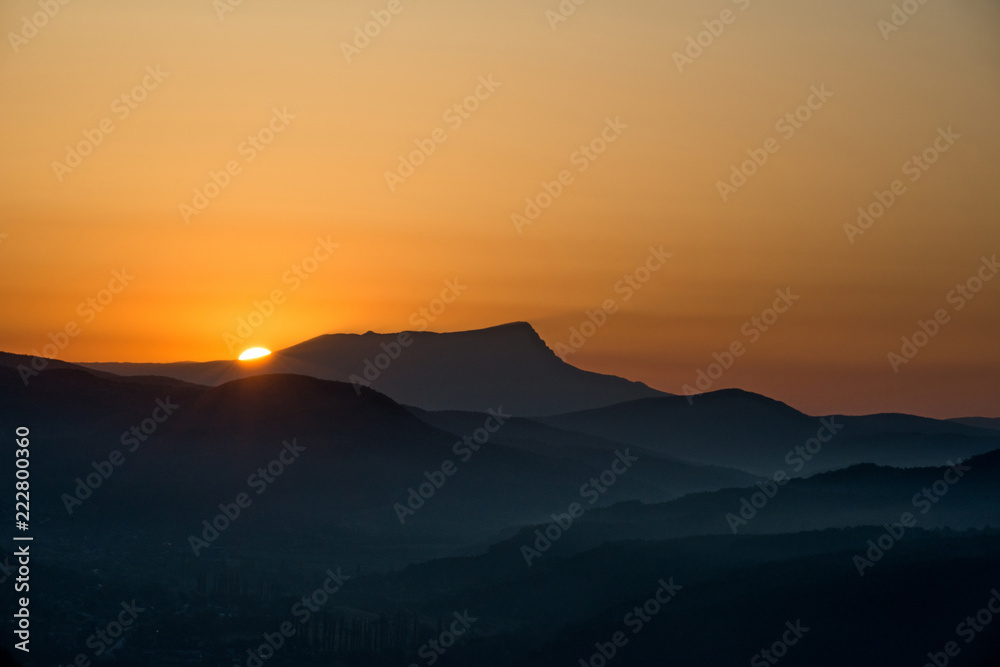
[(739, 429), (863, 495), (656, 472), (507, 365), (183, 449), (979, 422), (125, 471)]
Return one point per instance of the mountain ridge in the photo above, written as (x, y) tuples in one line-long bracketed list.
[(508, 365)]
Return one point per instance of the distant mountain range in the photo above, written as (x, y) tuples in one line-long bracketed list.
[(738, 429), (507, 365), (980, 422), (862, 495), (366, 453), (428, 486)]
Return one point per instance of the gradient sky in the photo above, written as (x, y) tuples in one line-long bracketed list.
[(323, 176)]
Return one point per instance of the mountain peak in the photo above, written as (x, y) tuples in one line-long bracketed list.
[(506, 366), (507, 329), (511, 331)]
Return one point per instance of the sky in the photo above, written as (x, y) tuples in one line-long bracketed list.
[(171, 168)]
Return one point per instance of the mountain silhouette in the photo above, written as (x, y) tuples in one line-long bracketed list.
[(507, 365), (364, 452), (980, 422), (359, 454), (739, 429)]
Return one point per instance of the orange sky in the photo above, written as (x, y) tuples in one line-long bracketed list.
[(340, 126)]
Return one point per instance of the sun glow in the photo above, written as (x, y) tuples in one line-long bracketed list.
[(254, 353)]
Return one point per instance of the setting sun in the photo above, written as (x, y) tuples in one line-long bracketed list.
[(254, 353)]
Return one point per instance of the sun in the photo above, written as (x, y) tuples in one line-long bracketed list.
[(254, 353)]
